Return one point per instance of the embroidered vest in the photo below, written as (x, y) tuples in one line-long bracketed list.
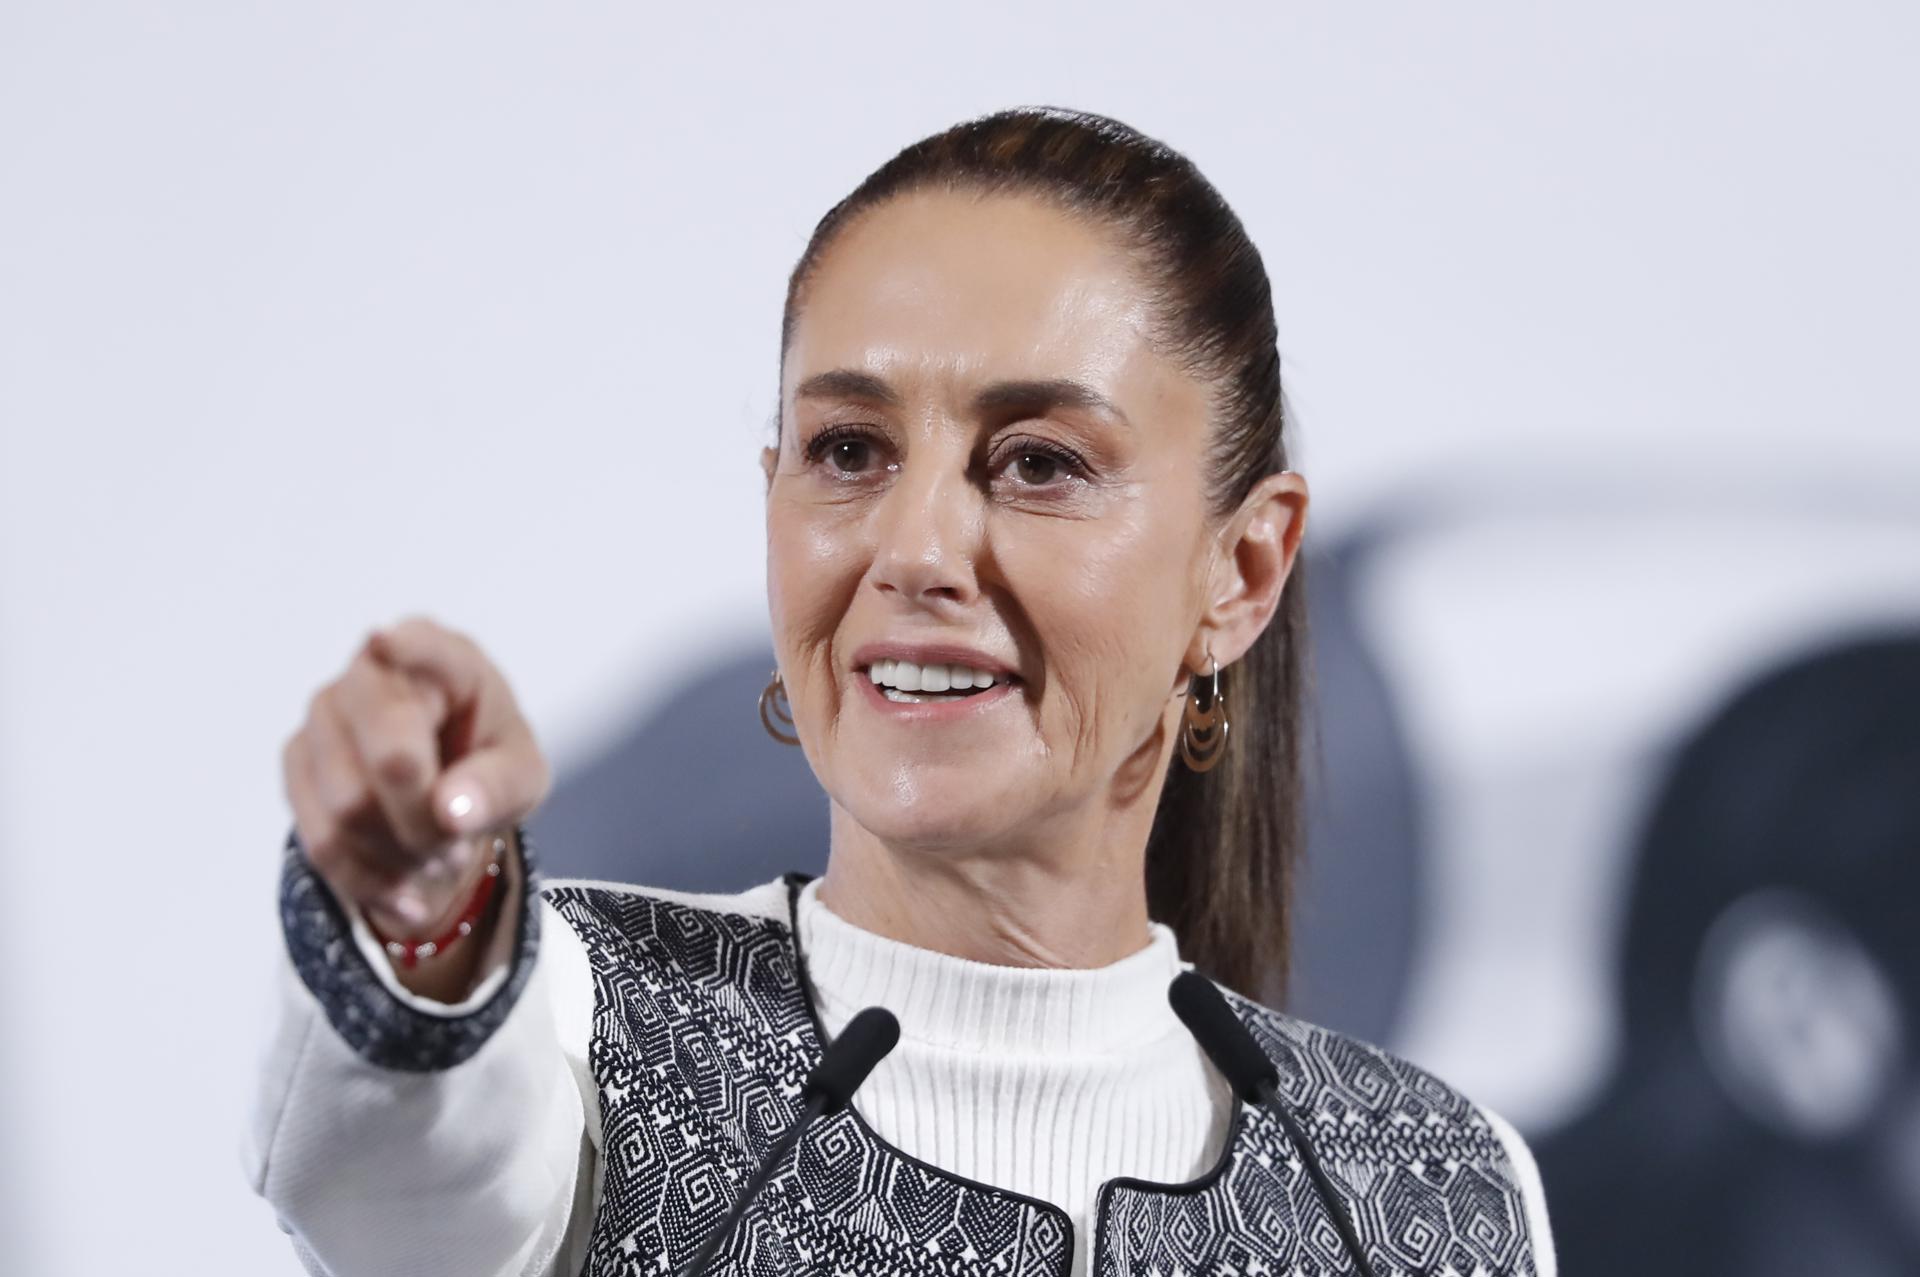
[(704, 1029)]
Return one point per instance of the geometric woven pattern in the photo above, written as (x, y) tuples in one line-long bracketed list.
[(702, 1037), (1423, 1176), (1256, 1212), (1419, 1171), (703, 1034)]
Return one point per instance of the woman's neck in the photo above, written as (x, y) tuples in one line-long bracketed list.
[(1081, 902)]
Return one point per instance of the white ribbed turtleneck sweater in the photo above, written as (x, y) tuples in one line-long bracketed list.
[(1046, 1082)]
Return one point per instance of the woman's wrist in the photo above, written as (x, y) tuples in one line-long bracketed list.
[(451, 971), (469, 898)]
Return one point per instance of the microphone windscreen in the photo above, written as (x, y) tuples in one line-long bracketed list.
[(1222, 1036), (851, 1056)]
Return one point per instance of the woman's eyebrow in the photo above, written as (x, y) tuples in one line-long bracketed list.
[(846, 383), (1036, 398)]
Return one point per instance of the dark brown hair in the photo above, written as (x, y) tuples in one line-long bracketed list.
[(1221, 856)]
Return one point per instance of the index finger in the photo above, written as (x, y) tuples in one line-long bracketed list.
[(421, 647)]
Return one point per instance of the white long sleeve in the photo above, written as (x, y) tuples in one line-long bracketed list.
[(487, 1165)]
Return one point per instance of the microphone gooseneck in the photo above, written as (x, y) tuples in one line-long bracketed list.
[(843, 1066), (1255, 1079), (866, 1040), (1221, 1035)]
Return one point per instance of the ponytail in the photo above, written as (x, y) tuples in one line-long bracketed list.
[(1221, 858)]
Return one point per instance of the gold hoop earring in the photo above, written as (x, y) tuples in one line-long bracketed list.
[(1203, 729), (773, 706)]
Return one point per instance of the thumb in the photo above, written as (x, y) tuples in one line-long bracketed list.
[(494, 786)]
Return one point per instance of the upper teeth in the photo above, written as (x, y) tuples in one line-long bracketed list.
[(906, 676)]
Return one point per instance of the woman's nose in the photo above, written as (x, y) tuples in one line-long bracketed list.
[(927, 530)]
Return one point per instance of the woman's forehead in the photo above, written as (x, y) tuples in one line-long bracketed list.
[(954, 289)]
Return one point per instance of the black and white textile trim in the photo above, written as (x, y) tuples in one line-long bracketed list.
[(382, 1029)]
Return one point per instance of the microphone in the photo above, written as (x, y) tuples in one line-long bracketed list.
[(843, 1066), (1256, 1080), (866, 1040)]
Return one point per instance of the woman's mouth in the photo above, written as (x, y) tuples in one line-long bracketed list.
[(908, 683)]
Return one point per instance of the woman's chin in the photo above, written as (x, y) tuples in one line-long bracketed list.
[(934, 820)]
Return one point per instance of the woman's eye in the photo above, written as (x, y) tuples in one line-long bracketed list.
[(844, 450), (850, 456), (1035, 468), (1032, 466)]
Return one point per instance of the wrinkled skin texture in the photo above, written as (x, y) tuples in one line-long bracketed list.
[(1071, 541)]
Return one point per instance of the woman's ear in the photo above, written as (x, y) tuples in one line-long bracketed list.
[(1252, 559), (769, 460)]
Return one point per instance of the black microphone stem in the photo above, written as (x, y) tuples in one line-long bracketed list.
[(1270, 1098), (777, 1154), (843, 1066), (1255, 1079)]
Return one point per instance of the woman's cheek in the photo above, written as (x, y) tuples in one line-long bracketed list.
[(822, 561), (1104, 564), (1110, 675), (810, 554)]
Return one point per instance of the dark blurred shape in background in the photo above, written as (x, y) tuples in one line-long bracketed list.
[(1765, 1115), (677, 780)]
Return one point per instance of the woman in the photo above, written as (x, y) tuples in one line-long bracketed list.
[(1029, 532)]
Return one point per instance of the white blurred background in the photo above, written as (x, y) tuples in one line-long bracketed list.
[(314, 316)]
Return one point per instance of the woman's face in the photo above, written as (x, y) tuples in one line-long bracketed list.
[(985, 463)]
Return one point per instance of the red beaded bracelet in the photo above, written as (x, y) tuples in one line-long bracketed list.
[(408, 954)]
